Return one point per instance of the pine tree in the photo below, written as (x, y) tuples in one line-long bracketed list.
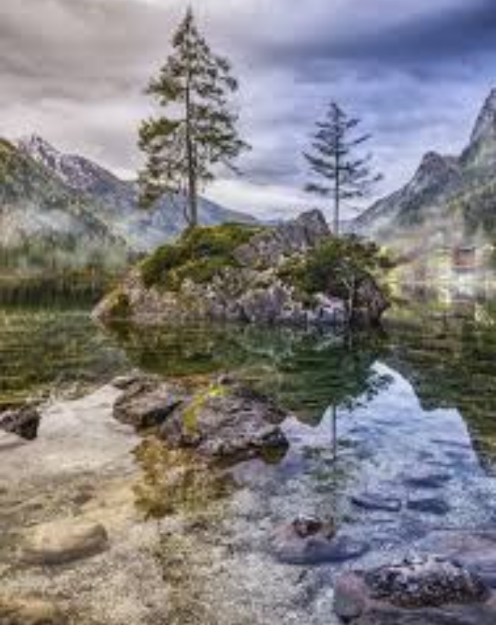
[(197, 129), (343, 175)]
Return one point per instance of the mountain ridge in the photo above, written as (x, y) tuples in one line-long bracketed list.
[(449, 190), (143, 229)]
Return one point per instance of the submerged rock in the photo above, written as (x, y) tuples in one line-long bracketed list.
[(308, 541), (376, 502), (423, 591), (29, 611), (23, 421), (429, 505), (63, 542)]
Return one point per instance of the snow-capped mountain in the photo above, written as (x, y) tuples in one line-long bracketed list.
[(46, 224), (118, 199), (450, 193)]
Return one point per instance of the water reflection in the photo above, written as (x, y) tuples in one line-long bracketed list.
[(450, 359)]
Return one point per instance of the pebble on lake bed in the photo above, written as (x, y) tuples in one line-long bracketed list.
[(29, 612), (64, 542)]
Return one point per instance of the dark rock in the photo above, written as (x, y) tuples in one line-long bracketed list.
[(226, 421), (425, 582), (429, 506), (147, 403), (310, 526), (311, 541), (23, 421), (426, 591), (375, 502), (436, 480)]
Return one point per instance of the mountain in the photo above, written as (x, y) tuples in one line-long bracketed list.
[(450, 198), (118, 199), (44, 224)]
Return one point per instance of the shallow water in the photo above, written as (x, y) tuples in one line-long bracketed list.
[(408, 413)]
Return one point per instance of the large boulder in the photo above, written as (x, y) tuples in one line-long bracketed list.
[(420, 591), (227, 421), (147, 402), (22, 421)]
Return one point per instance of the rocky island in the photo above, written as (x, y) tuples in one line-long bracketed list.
[(294, 273)]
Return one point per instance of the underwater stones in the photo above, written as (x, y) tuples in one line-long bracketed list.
[(429, 505), (146, 402), (422, 591), (308, 541), (423, 582), (28, 611), (428, 481), (227, 421), (23, 421), (376, 503), (63, 542)]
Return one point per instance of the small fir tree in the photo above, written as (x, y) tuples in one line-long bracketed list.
[(340, 172)]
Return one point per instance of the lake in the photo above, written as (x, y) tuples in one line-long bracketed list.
[(407, 413)]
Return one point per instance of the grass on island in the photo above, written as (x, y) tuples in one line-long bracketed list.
[(199, 255), (335, 267)]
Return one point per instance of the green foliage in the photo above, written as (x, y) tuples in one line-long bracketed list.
[(28, 188), (337, 267), (120, 306), (197, 129), (200, 254)]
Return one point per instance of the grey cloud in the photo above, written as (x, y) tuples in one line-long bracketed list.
[(416, 72)]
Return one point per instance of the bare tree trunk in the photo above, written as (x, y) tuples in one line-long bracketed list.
[(337, 186), (191, 157)]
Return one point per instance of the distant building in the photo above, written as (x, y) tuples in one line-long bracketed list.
[(465, 259)]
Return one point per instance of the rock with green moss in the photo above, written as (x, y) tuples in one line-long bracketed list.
[(295, 273), (215, 419), (227, 421)]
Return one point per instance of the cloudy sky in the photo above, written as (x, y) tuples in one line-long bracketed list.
[(416, 71)]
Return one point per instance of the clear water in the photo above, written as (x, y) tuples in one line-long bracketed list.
[(371, 413), (448, 356)]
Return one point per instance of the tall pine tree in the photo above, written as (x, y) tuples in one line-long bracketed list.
[(339, 172), (197, 129)]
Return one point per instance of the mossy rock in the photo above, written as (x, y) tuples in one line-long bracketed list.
[(199, 255), (120, 306)]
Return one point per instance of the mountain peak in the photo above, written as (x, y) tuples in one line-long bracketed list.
[(77, 172), (485, 127), (39, 150), (434, 170)]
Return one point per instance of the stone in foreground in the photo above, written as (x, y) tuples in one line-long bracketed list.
[(146, 403), (61, 543), (308, 541), (29, 612), (423, 591), (229, 421), (23, 421), (376, 503)]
